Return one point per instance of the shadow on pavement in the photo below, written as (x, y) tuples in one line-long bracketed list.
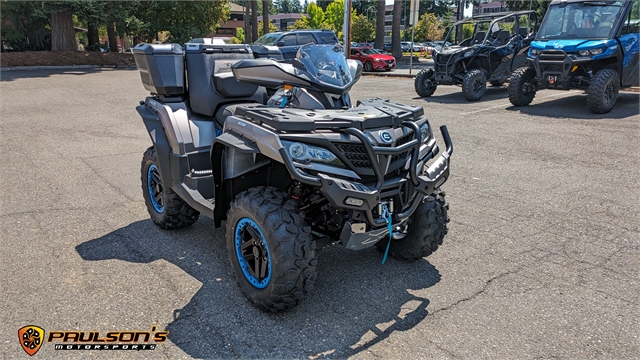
[(575, 107), (457, 97), (42, 73), (357, 302)]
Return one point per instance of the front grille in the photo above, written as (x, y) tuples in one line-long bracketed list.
[(552, 67), (442, 59), (366, 179), (357, 155), (440, 68), (389, 61), (551, 55)]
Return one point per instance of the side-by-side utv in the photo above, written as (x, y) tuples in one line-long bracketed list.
[(495, 45)]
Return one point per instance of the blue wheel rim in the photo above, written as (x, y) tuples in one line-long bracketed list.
[(252, 253), (154, 186)]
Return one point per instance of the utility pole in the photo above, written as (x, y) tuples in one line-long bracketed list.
[(346, 28)]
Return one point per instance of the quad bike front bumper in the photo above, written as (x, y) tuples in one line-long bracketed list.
[(363, 199)]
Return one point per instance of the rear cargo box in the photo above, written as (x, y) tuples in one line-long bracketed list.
[(161, 68)]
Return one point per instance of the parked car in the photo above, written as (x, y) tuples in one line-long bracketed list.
[(439, 44), (373, 59), (361, 45), (428, 47), (386, 47), (290, 41)]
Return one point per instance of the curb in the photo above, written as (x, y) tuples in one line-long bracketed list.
[(74, 67), (390, 75)]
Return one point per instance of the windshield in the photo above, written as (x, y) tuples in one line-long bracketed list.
[(267, 39), (370, 51), (325, 63), (580, 20)]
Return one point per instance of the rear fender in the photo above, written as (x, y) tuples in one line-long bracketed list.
[(159, 139)]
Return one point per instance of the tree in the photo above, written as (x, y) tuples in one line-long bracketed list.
[(396, 49), (284, 6), (63, 37), (540, 7), (362, 30), (316, 16), (323, 4), (380, 23), (302, 23), (428, 28), (265, 17), (254, 20), (296, 7), (183, 19), (271, 28), (25, 26), (335, 14)]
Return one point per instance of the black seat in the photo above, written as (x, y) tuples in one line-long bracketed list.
[(502, 37), (478, 38), (523, 32), (210, 80)]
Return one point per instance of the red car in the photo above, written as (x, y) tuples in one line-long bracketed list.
[(373, 59)]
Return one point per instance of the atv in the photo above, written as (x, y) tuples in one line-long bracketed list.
[(588, 45), (276, 150), (497, 45)]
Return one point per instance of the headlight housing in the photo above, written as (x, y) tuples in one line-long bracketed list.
[(535, 52), (469, 53), (591, 52), (304, 154), (425, 132)]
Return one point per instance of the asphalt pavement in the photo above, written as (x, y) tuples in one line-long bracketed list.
[(541, 259)]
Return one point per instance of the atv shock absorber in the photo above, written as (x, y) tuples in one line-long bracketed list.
[(295, 190)]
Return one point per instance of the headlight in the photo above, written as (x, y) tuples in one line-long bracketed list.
[(376, 59), (304, 154), (591, 52), (469, 53), (535, 52), (425, 132)]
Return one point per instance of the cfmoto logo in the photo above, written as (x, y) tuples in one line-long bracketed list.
[(386, 137)]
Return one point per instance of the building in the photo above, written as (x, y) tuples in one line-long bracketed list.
[(228, 28), (283, 21), (388, 22), (487, 7)]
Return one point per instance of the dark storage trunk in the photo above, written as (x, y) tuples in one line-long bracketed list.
[(161, 68)]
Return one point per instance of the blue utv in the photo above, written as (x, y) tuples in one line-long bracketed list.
[(589, 45)]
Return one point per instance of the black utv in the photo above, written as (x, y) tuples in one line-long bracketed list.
[(483, 48), (277, 151), (588, 45)]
